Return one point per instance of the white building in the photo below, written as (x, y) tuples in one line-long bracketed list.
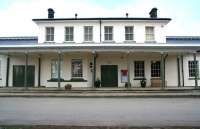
[(116, 51)]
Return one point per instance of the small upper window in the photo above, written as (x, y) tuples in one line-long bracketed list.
[(108, 33), (150, 36), (49, 33), (129, 33), (88, 33), (69, 33)]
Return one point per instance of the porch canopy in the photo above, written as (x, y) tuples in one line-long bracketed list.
[(97, 48), (100, 47)]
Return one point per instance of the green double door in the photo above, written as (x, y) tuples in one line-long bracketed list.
[(19, 75), (109, 76)]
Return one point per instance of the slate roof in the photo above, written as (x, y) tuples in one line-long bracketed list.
[(183, 39), (23, 40)]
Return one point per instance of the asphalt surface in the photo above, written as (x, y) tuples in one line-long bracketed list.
[(151, 112)]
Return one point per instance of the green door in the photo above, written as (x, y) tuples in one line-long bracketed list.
[(30, 76), (19, 75), (109, 76)]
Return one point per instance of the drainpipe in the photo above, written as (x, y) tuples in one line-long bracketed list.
[(100, 29), (7, 71), (94, 68), (59, 60), (165, 57), (182, 71), (178, 70), (39, 70), (196, 68), (26, 69), (162, 71), (128, 67)]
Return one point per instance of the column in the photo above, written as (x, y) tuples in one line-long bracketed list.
[(182, 71), (59, 68), (7, 71), (128, 68), (26, 69), (178, 70), (39, 70), (196, 72), (162, 71), (94, 68)]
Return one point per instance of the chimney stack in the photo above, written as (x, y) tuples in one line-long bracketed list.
[(153, 13), (50, 13), (126, 15), (76, 15)]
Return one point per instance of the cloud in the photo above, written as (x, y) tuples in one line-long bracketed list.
[(16, 20)]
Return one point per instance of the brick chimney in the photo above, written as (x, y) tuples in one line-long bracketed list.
[(153, 13), (50, 13)]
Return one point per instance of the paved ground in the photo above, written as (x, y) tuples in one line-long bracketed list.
[(100, 111)]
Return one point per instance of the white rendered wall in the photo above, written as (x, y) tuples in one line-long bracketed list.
[(187, 80), (20, 60), (119, 59), (118, 28), (3, 60)]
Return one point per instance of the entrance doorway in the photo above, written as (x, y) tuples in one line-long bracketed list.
[(19, 75), (109, 76)]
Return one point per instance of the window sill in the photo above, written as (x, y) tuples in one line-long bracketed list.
[(88, 41), (71, 80), (155, 78), (140, 78), (108, 41), (50, 42), (192, 78), (76, 80), (69, 42), (153, 41), (129, 41), (55, 80)]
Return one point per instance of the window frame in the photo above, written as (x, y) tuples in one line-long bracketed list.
[(109, 33), (56, 71), (78, 75), (88, 34), (129, 34), (155, 69), (191, 68), (149, 36), (49, 35), (70, 35), (141, 70)]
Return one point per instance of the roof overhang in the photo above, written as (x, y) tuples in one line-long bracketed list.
[(81, 47)]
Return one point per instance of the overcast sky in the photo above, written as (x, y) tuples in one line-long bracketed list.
[(16, 15)]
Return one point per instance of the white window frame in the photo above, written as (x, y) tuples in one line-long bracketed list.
[(69, 35), (49, 34), (191, 68), (129, 33), (74, 72), (54, 63), (139, 72), (155, 69), (108, 34), (88, 33), (150, 33)]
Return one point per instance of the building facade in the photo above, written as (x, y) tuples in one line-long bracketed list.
[(118, 52)]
